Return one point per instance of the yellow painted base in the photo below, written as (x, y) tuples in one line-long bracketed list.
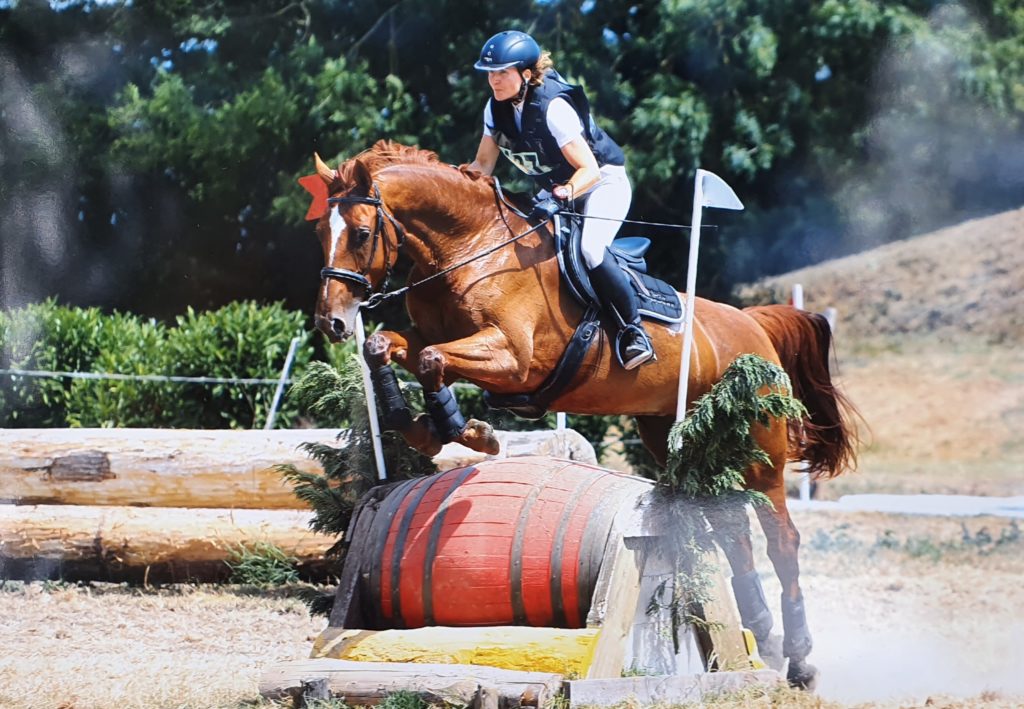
[(565, 652)]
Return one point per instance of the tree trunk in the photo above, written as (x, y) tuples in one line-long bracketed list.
[(183, 468), (155, 544)]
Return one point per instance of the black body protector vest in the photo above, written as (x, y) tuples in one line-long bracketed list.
[(533, 149)]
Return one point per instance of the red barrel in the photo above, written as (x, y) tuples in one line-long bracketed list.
[(507, 542)]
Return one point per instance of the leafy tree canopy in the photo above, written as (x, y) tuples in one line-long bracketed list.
[(152, 147)]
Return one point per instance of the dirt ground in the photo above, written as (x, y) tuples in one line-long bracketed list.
[(902, 609)]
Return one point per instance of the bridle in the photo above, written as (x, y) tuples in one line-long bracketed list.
[(360, 279), (381, 294)]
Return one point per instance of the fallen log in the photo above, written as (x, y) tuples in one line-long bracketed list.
[(148, 545), (197, 469)]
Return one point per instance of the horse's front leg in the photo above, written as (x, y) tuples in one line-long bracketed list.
[(380, 350), (484, 357)]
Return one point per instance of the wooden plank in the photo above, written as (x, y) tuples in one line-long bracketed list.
[(663, 690), (615, 605), (153, 467), (362, 683), (727, 650)]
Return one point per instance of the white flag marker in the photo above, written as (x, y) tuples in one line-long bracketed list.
[(709, 190)]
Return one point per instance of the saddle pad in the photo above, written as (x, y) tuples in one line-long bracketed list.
[(658, 300)]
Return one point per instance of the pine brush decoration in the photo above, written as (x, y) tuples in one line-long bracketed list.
[(336, 396), (712, 448)]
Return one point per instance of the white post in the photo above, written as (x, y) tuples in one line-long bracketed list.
[(560, 429), (805, 478), (289, 358), (371, 402), (709, 190), (831, 314)]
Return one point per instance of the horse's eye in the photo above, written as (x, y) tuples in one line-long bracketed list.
[(362, 234)]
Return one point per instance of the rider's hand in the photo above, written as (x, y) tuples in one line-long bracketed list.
[(561, 192), (545, 209)]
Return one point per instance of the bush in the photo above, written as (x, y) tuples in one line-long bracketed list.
[(129, 346), (46, 336), (242, 340)]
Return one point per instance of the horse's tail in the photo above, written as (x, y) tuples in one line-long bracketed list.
[(827, 438)]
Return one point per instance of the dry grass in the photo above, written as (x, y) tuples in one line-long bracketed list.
[(77, 647)]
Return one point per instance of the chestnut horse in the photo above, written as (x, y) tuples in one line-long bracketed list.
[(502, 321)]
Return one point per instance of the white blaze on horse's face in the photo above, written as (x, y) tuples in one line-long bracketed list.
[(336, 321)]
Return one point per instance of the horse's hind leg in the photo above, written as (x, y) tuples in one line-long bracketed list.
[(783, 548), (731, 530)]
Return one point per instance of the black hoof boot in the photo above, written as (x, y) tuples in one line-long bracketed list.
[(444, 411), (802, 675)]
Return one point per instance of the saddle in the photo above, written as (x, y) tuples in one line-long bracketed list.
[(657, 301)]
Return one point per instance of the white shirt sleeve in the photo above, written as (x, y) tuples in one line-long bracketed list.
[(563, 121), (488, 118)]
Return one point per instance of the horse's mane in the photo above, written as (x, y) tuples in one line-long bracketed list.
[(385, 153)]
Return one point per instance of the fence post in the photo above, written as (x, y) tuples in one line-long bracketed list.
[(280, 383), (805, 478), (371, 401)]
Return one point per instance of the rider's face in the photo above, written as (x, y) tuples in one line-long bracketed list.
[(505, 83)]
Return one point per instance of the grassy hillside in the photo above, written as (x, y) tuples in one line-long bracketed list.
[(962, 284), (929, 338)]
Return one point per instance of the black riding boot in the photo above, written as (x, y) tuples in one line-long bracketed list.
[(612, 286)]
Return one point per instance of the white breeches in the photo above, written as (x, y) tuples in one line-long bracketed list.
[(609, 199)]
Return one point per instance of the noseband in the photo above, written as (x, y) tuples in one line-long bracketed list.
[(343, 274)]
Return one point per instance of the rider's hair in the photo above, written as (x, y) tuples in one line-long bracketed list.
[(541, 68)]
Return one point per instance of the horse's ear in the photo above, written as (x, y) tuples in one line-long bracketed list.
[(326, 172), (361, 175)]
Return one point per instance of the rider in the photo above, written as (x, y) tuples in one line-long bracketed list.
[(544, 126)]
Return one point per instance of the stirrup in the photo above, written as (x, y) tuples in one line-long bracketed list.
[(644, 355)]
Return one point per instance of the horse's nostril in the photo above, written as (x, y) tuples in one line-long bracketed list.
[(338, 327)]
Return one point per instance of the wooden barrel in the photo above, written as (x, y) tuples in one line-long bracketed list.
[(518, 541)]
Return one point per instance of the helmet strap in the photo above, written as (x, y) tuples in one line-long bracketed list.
[(521, 96)]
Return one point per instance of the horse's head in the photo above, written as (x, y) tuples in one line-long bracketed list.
[(360, 239)]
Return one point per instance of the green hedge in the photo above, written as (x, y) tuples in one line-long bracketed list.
[(241, 340)]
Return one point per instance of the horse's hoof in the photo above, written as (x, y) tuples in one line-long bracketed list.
[(802, 675), (479, 436), (422, 436)]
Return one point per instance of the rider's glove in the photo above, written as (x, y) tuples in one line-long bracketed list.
[(545, 209)]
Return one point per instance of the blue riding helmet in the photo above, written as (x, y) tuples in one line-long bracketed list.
[(508, 48)]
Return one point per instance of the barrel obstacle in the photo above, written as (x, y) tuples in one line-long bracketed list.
[(158, 505), (508, 582)]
